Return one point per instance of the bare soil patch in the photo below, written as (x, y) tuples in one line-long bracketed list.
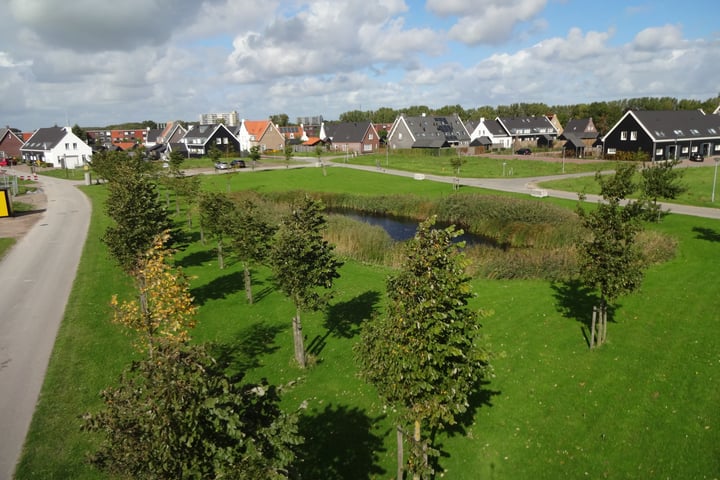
[(21, 223)]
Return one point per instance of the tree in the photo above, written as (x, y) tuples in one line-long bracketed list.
[(280, 119), (423, 356), (137, 214), (189, 189), (319, 152), (609, 257), (254, 155), (214, 154), (165, 311), (180, 416), (304, 264), (216, 217), (288, 155), (456, 163), (175, 161), (251, 237), (80, 133), (660, 180)]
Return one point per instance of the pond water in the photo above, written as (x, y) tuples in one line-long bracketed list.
[(401, 229)]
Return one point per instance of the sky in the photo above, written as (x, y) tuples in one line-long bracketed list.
[(101, 62)]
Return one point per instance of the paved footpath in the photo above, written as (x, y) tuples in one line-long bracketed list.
[(529, 185), (36, 277)]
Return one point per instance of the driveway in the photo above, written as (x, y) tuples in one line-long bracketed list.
[(36, 277)]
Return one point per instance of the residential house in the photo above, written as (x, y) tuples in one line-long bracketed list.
[(260, 133), (580, 135), (294, 134), (57, 146), (200, 139), (664, 134), (428, 131), (351, 137), (490, 134), (529, 131), (10, 144)]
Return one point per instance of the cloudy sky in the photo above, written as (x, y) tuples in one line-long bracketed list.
[(98, 62)]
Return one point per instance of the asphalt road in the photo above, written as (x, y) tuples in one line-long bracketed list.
[(36, 277)]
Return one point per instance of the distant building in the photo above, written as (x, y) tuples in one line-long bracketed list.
[(228, 119)]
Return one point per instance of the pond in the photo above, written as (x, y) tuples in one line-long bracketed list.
[(401, 229)]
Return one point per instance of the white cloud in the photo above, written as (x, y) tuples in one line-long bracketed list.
[(488, 21), (651, 39)]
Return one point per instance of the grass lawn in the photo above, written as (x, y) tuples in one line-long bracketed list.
[(478, 167), (5, 245), (698, 180), (645, 405)]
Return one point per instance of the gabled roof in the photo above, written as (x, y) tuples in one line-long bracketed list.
[(347, 131), (45, 138), (256, 128), (496, 128), (581, 128), (8, 131), (527, 125), (573, 140), (202, 131), (664, 125), (448, 128)]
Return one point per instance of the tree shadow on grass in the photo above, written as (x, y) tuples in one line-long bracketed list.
[(707, 234), (248, 346), (575, 300), (220, 287), (343, 319), (197, 259), (339, 444)]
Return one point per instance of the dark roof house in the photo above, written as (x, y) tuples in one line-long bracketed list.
[(351, 137), (664, 134), (428, 131)]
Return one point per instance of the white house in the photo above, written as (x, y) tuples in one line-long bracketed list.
[(57, 146), (491, 134)]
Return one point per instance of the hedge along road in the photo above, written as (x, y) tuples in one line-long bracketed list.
[(36, 277)]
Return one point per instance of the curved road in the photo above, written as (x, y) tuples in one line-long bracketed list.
[(36, 277), (527, 185)]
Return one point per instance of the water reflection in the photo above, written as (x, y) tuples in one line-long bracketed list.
[(401, 229)]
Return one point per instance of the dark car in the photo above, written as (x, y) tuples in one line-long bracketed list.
[(697, 157), (237, 164), (523, 151)]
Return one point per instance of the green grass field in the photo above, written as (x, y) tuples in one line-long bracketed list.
[(645, 405)]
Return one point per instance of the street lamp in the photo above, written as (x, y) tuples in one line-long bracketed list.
[(712, 197)]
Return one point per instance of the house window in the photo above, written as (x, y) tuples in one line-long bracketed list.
[(716, 149), (225, 140), (74, 146), (684, 150), (67, 146), (370, 136), (633, 135), (623, 135), (399, 135), (218, 140), (611, 151), (658, 152)]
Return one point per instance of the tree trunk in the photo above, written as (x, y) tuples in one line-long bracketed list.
[(298, 340), (221, 263), (400, 453), (248, 284), (416, 438), (603, 313), (592, 327)]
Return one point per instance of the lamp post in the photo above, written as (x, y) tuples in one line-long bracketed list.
[(712, 197)]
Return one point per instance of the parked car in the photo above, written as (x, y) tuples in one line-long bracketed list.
[(222, 166), (237, 163), (697, 157), (523, 151)]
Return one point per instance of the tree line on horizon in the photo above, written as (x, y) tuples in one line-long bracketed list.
[(604, 114)]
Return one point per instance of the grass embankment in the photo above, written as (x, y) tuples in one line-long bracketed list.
[(642, 406)]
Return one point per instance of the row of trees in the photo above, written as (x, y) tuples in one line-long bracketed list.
[(177, 414), (604, 114)]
